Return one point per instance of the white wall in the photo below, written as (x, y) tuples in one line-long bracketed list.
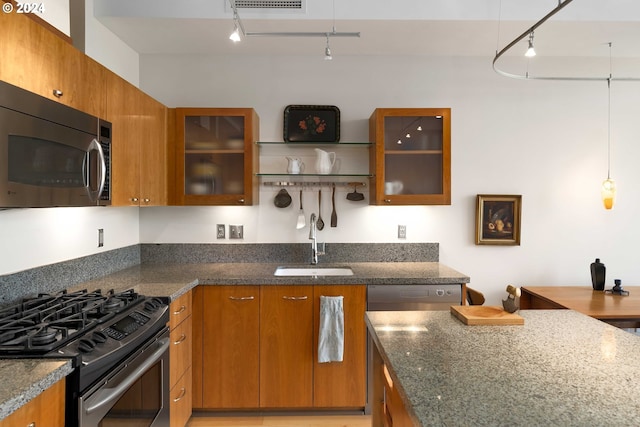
[(106, 48), (35, 237), (543, 140)]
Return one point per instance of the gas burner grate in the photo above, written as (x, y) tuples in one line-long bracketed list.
[(46, 322)]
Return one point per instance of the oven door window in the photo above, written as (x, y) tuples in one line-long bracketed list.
[(140, 405)]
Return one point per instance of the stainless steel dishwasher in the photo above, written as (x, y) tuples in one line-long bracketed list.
[(413, 297), (406, 298)]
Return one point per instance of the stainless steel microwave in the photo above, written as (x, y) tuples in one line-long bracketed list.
[(51, 154)]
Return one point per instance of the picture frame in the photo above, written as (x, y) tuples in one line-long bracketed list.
[(311, 123), (498, 219)]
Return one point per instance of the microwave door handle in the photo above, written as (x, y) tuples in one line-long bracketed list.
[(102, 172)]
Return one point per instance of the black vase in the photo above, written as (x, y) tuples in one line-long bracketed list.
[(598, 273)]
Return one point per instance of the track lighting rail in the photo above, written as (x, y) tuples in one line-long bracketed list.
[(527, 76)]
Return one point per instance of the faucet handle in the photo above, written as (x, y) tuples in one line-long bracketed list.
[(321, 251)]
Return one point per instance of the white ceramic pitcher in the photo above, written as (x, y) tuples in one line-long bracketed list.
[(295, 165), (324, 161)]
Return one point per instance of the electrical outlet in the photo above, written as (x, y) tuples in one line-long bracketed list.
[(402, 231), (100, 237), (220, 231), (236, 231)]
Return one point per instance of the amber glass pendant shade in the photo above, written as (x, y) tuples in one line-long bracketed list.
[(608, 193)]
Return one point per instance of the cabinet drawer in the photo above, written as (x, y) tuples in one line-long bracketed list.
[(180, 350), (180, 400), (179, 310)]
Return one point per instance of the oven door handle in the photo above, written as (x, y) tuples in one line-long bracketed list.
[(105, 396)]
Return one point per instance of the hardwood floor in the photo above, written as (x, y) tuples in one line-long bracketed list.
[(283, 421)]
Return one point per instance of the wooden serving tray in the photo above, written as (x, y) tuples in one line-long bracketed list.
[(485, 315)]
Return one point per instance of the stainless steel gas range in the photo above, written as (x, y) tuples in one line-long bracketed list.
[(118, 342)]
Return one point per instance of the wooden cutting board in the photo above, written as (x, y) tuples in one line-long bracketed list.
[(485, 315)]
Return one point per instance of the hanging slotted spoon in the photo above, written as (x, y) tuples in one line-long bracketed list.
[(320, 222), (301, 220)]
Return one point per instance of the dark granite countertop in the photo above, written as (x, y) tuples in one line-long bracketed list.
[(561, 368), (25, 379), (172, 280)]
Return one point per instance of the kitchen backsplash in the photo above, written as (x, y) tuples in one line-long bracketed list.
[(289, 252), (56, 277)]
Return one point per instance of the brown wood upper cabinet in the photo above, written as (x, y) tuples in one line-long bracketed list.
[(215, 156), (36, 59), (139, 152), (411, 160)]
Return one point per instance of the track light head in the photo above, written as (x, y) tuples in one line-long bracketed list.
[(327, 52), (531, 52)]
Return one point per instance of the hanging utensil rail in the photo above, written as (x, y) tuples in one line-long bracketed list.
[(312, 184)]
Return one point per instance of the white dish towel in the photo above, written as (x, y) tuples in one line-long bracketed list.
[(331, 334)]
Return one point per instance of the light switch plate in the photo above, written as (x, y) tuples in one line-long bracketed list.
[(100, 237), (236, 231), (220, 231)]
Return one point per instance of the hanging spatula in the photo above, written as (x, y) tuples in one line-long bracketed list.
[(334, 214), (301, 220)]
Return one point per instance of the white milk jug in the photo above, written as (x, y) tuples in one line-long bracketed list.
[(324, 161), (295, 165)]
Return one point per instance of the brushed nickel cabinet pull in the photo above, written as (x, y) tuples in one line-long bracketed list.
[(181, 339), (180, 310), (295, 298), (57, 93), (183, 391), (134, 199), (241, 201), (242, 298)]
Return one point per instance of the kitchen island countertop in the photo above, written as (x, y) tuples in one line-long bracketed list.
[(560, 368)]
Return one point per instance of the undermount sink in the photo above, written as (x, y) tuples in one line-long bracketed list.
[(313, 270)]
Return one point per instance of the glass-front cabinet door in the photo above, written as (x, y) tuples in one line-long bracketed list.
[(215, 156), (411, 160)]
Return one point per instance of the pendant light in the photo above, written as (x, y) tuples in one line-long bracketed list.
[(608, 190)]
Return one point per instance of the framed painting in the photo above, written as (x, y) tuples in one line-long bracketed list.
[(498, 219), (312, 123)]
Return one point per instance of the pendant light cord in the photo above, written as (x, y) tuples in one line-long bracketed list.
[(609, 116)]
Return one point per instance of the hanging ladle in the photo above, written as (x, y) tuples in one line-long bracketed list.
[(355, 196)]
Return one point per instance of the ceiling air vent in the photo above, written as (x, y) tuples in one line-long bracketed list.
[(269, 4)]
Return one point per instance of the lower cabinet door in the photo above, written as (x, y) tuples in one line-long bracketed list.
[(342, 384), (230, 346), (286, 347), (47, 409), (180, 400)]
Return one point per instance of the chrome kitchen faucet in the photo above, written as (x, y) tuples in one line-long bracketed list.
[(314, 240)]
